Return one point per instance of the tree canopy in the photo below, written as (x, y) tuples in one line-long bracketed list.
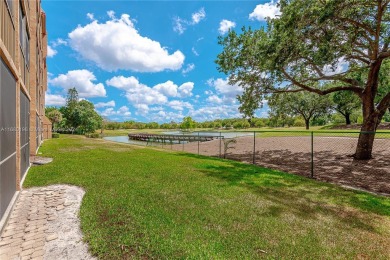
[(306, 105), (312, 44)]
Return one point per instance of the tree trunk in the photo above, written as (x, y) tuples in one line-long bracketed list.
[(371, 116), (366, 140), (347, 119), (307, 123)]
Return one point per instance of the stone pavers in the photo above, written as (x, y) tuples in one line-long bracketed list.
[(44, 225)]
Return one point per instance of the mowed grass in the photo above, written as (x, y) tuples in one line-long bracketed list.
[(143, 203)]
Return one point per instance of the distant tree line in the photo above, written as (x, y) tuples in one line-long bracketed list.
[(299, 109)]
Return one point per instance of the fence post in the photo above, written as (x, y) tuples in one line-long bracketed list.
[(254, 147), (220, 143), (183, 144), (312, 155), (198, 143)]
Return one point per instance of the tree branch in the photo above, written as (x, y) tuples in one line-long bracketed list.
[(362, 59), (354, 89), (357, 24), (384, 55), (384, 104)]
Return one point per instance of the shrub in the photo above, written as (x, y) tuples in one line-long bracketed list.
[(93, 135)]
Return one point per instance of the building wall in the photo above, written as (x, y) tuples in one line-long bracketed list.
[(23, 83)]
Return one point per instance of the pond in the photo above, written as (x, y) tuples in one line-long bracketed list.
[(125, 139)]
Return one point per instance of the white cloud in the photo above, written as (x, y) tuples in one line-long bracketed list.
[(116, 44), (189, 68), (54, 100), (225, 25), (142, 109), (215, 112), (123, 112), (339, 67), (180, 25), (111, 14), (223, 87), (51, 52), (90, 16), (180, 105), (264, 11), (82, 80), (214, 99), (198, 16), (141, 96), (185, 89), (164, 116), (59, 42), (167, 88), (106, 104)]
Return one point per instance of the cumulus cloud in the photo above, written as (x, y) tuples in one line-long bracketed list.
[(121, 112), (180, 25), (264, 11), (142, 96), (82, 80), (223, 87), (180, 105), (51, 52), (214, 112), (165, 116), (225, 25), (54, 100), (214, 99), (185, 90), (105, 104), (116, 44)]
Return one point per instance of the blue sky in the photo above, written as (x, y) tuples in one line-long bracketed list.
[(146, 60)]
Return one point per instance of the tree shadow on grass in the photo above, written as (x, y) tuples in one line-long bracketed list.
[(301, 196), (328, 166)]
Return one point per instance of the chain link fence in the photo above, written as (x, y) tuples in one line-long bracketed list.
[(326, 156)]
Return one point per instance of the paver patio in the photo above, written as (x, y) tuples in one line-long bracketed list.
[(44, 225)]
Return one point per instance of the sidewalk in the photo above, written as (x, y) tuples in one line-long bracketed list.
[(44, 224)]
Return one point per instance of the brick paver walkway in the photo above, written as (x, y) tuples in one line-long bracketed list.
[(32, 224)]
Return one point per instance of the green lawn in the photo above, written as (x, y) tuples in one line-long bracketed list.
[(145, 203)]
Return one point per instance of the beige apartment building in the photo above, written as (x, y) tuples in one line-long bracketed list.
[(23, 83)]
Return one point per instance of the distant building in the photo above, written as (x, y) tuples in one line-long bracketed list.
[(23, 83)]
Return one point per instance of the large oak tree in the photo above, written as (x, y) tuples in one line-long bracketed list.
[(322, 43)]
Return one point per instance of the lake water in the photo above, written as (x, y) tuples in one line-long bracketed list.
[(125, 139)]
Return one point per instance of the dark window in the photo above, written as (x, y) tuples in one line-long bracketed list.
[(23, 36)]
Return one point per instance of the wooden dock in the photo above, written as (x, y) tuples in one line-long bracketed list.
[(170, 138)]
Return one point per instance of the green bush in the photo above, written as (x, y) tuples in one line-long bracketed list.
[(93, 135), (55, 135), (299, 122)]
